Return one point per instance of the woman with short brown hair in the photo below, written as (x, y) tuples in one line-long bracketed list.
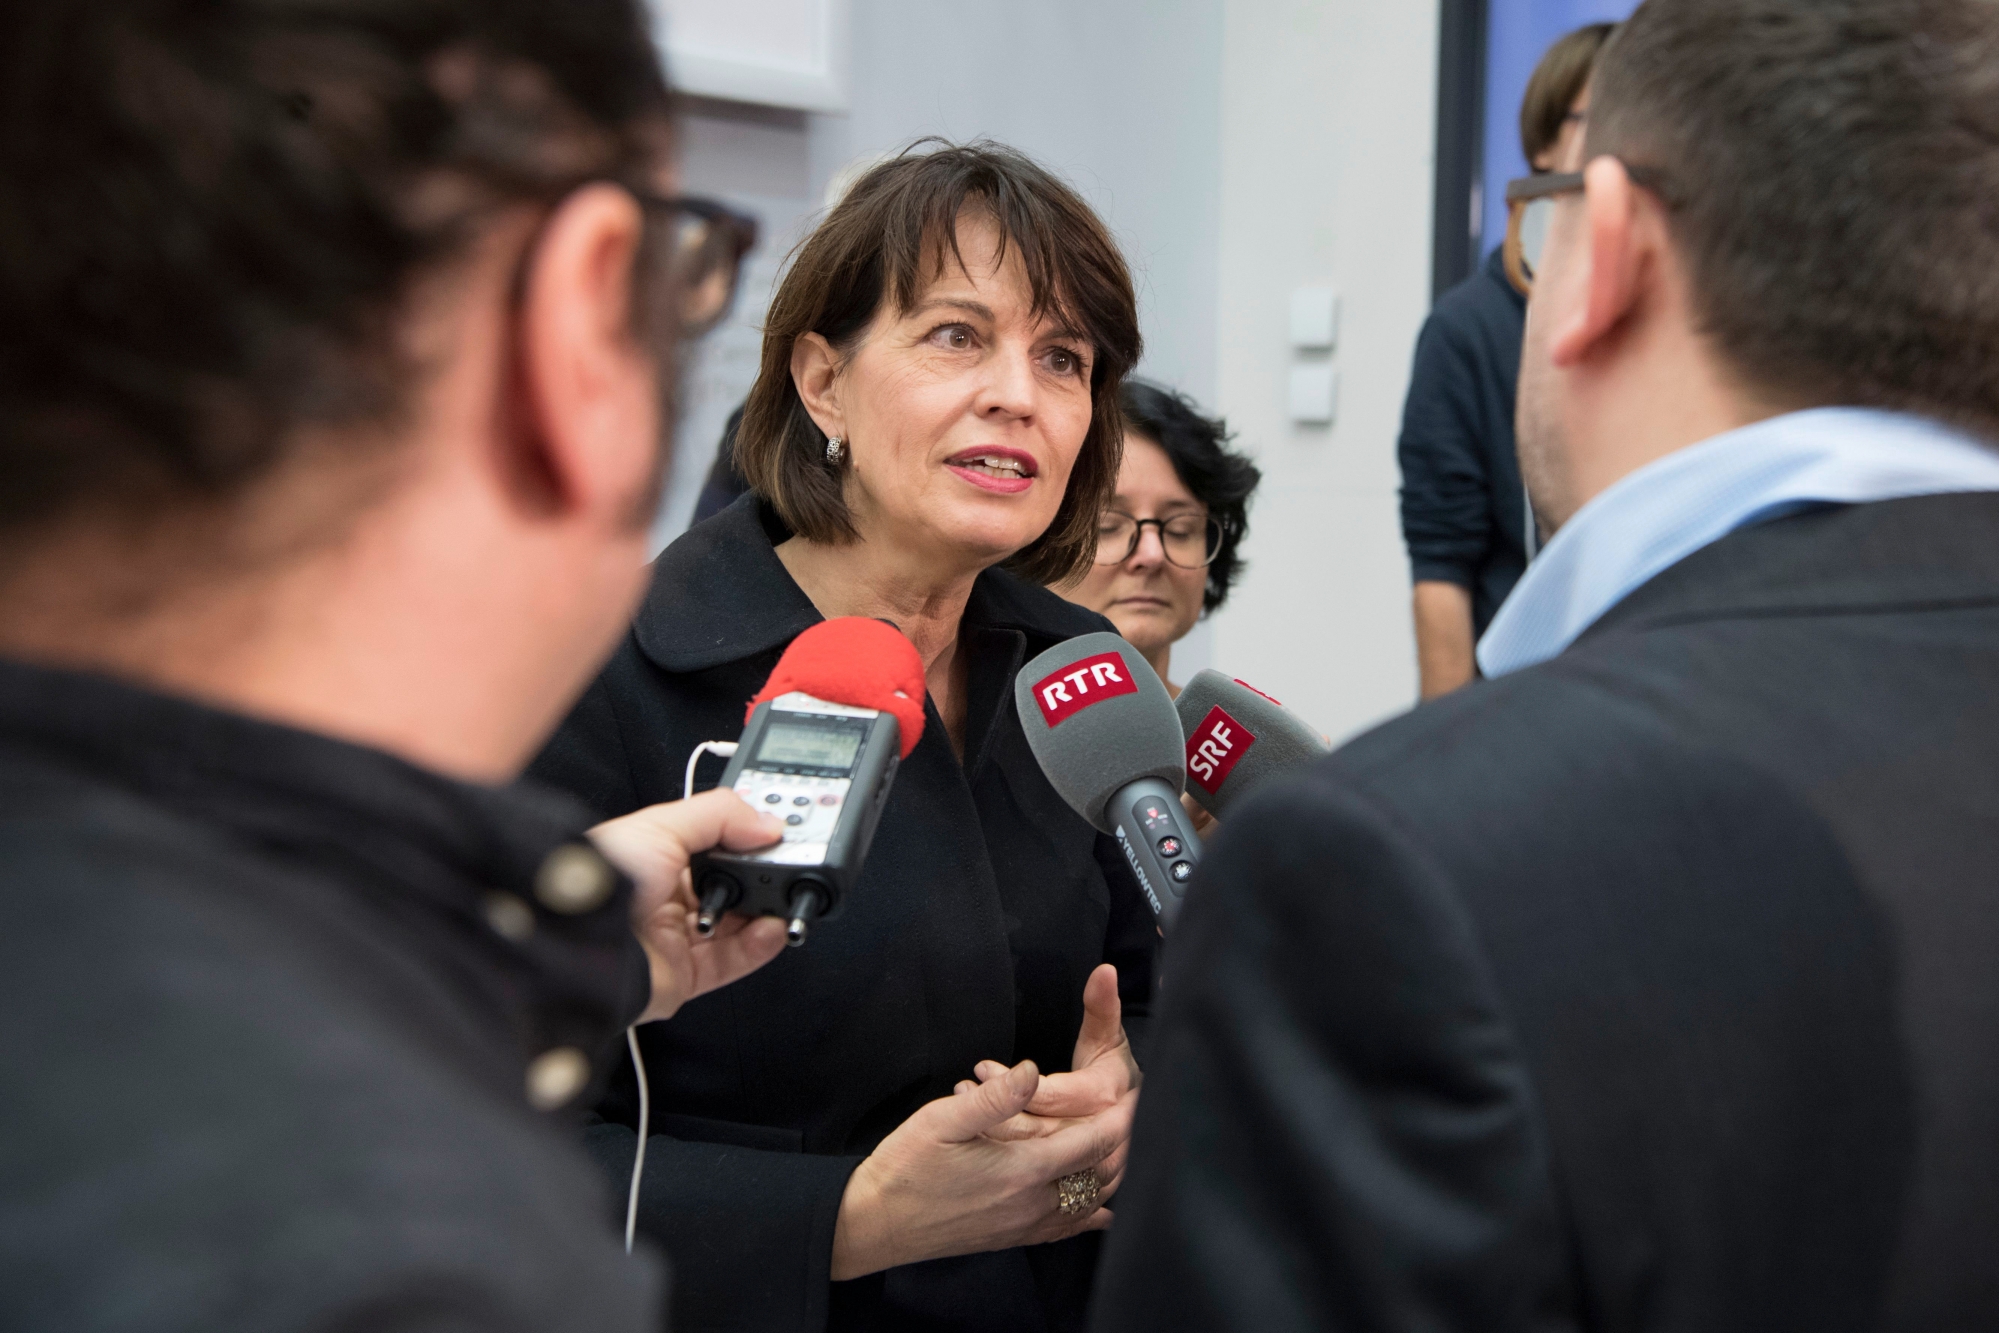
[(878, 1130)]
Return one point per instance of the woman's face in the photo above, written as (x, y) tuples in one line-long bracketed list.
[(962, 418), (1152, 601)]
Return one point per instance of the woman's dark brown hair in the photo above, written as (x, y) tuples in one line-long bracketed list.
[(896, 228), (1557, 82)]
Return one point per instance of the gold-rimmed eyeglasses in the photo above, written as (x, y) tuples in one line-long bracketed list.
[(1191, 541), (1530, 206)]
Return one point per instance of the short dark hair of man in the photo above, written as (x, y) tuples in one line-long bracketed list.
[(894, 229), (1218, 476), (1830, 168), (212, 216), (1555, 85)]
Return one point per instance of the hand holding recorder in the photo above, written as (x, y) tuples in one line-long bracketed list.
[(655, 846)]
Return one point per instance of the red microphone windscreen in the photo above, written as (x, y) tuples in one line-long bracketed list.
[(855, 661)]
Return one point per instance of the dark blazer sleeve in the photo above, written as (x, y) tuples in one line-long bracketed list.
[(749, 1231), (1337, 1129), (586, 757), (1446, 494)]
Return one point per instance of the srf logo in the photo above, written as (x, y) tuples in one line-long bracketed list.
[(1215, 748), (1090, 681)]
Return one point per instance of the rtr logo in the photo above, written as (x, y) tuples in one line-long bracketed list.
[(1090, 681), (1215, 748)]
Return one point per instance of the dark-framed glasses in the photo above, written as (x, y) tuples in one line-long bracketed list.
[(1191, 541), (701, 244), (1530, 207)]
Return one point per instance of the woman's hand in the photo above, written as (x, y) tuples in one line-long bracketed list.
[(1103, 1069), (654, 847), (952, 1179)]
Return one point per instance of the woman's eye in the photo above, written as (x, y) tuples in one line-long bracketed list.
[(1065, 362), (1186, 528), (957, 337)]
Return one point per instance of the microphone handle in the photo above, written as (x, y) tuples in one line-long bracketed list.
[(1158, 842)]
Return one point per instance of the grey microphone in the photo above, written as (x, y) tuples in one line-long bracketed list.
[(1238, 738), (1103, 728)]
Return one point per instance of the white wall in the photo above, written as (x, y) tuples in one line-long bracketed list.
[(1327, 138), (1120, 97)]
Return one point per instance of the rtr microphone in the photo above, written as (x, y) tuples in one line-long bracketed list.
[(1104, 731), (1238, 737), (842, 708)]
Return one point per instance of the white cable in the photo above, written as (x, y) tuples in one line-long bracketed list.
[(726, 749), (645, 1115)]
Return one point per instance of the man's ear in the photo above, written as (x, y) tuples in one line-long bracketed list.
[(815, 372), (589, 401), (1618, 261)]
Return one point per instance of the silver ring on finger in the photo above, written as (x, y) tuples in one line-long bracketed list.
[(1076, 1193)]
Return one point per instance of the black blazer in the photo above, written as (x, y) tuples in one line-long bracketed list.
[(984, 905), (1656, 987)]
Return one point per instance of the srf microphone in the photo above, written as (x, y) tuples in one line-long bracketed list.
[(1103, 728), (842, 708), (1237, 738)]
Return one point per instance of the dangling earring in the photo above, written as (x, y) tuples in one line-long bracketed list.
[(835, 448)]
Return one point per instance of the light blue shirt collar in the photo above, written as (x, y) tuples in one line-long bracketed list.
[(1671, 508)]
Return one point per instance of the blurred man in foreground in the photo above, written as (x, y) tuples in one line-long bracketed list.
[(1651, 984), (331, 419)]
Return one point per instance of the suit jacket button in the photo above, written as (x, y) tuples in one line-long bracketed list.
[(574, 879), (555, 1076)]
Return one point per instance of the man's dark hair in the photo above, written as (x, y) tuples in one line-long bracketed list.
[(213, 211), (1218, 476), (883, 242), (1832, 172), (1555, 85)]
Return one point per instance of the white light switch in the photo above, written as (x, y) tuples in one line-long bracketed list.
[(1315, 395), (1315, 319)]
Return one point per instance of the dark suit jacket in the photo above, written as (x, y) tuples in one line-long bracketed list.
[(984, 905), (1656, 987)]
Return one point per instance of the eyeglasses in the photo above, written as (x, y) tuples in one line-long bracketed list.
[(693, 252), (1530, 207), (1191, 541), (703, 243)]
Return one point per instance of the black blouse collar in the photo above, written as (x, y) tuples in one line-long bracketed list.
[(720, 594)]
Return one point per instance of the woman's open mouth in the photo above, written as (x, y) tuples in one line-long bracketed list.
[(1003, 471)]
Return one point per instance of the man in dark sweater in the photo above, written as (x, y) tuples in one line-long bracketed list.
[(330, 425), (1464, 512)]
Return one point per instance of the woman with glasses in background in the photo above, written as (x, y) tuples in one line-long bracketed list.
[(1167, 547)]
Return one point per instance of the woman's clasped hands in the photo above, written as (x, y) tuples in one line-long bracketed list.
[(977, 1170)]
